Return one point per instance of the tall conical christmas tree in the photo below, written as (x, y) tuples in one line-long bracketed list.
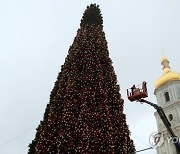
[(85, 112)]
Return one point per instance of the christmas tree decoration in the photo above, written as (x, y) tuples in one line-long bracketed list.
[(85, 111)]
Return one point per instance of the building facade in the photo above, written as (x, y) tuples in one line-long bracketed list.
[(167, 92)]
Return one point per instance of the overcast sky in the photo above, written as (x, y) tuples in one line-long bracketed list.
[(35, 36)]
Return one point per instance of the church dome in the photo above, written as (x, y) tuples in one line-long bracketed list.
[(167, 75)]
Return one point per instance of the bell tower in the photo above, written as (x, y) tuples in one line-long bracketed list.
[(167, 92)]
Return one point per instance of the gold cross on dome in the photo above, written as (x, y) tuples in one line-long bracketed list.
[(162, 51)]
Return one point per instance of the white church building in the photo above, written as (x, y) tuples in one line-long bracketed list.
[(167, 92)]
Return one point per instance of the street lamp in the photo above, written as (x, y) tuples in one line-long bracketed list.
[(137, 93)]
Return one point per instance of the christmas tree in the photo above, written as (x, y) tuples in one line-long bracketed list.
[(85, 112)]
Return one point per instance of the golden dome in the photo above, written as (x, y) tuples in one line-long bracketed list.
[(168, 75)]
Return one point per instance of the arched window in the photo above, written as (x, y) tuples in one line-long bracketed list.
[(170, 117), (167, 98)]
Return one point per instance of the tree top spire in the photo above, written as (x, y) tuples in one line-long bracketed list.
[(92, 16)]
